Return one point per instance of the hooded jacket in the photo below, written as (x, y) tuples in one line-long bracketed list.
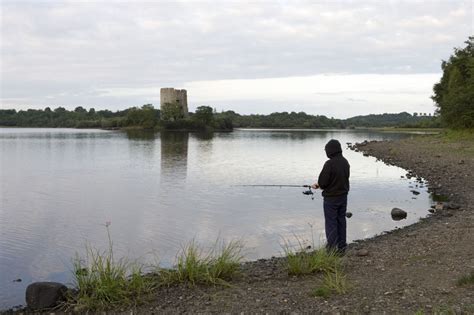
[(334, 177)]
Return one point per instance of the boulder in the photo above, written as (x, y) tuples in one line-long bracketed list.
[(41, 295), (398, 214), (348, 214)]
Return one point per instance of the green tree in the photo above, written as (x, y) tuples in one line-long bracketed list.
[(204, 115), (148, 116), (454, 94), (172, 112), (80, 109)]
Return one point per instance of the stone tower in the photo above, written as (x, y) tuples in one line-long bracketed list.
[(171, 95)]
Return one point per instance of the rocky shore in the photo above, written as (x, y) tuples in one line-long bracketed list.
[(409, 270), (402, 272)]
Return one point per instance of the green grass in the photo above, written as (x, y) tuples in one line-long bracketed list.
[(458, 135), (103, 282), (322, 291), (301, 260), (466, 279), (307, 262), (336, 281), (194, 266), (462, 142)]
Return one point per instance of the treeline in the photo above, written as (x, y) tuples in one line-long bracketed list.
[(303, 120), (401, 120), (146, 117), (282, 120), (204, 118), (454, 94)]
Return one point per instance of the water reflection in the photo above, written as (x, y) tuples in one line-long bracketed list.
[(205, 135), (174, 155), (139, 134)]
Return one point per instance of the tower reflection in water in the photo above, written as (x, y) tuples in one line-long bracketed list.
[(174, 156)]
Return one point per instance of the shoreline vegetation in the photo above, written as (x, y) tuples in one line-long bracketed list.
[(103, 282), (203, 119)]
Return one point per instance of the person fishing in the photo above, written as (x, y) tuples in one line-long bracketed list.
[(334, 183)]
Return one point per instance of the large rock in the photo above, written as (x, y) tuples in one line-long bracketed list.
[(40, 295), (398, 214)]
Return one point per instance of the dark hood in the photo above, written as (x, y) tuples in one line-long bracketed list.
[(333, 148)]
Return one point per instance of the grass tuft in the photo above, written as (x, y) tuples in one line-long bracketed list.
[(301, 260), (194, 266), (102, 281), (322, 291), (336, 281), (466, 279)]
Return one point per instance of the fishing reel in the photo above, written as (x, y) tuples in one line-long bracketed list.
[(309, 192)]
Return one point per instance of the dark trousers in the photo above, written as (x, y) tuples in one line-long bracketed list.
[(335, 222)]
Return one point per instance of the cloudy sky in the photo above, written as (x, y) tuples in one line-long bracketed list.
[(336, 58)]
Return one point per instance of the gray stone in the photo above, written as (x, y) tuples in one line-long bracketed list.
[(41, 295), (453, 206), (398, 214)]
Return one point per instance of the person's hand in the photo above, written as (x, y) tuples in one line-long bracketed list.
[(315, 186)]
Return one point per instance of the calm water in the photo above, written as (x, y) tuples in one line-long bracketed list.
[(60, 186)]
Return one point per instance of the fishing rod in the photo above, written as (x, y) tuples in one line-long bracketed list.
[(308, 192)]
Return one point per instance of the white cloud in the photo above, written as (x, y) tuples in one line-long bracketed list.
[(109, 54)]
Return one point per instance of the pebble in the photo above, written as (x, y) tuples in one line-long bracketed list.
[(362, 252)]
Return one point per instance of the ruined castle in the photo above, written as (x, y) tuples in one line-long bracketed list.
[(173, 96)]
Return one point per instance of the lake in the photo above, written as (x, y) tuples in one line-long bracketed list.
[(160, 190)]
